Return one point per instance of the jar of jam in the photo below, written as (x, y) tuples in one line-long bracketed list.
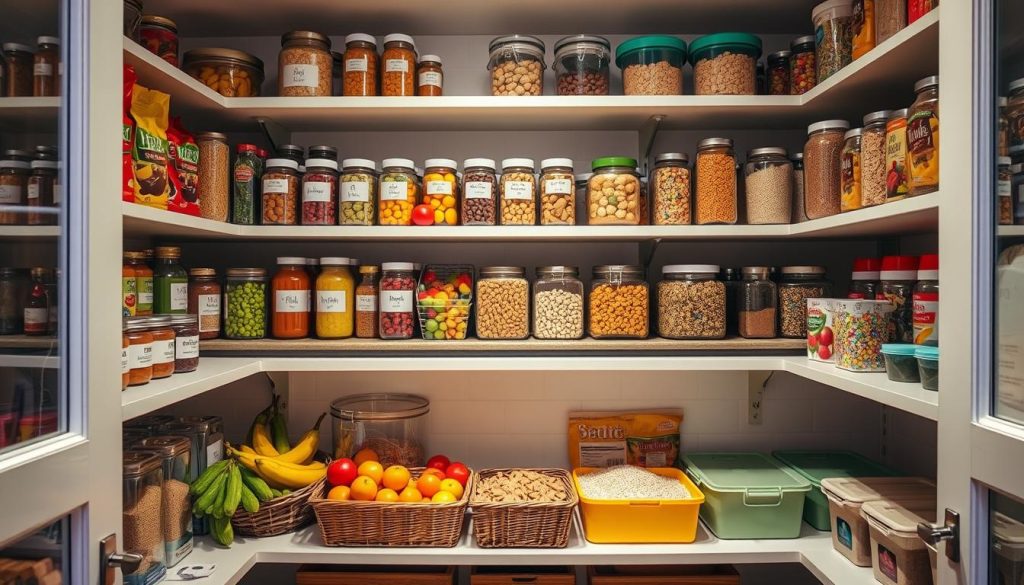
[(290, 293), (159, 327), (397, 289), (186, 342), (140, 350), (160, 36)]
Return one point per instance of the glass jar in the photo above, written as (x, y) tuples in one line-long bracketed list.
[(335, 299), (159, 326), (204, 300), (730, 277), (280, 192), (872, 159), (516, 63), (769, 186), (18, 69), (923, 137), (725, 64), (558, 303), (899, 275), (613, 196), (803, 70), (337, 73), (140, 350), (291, 152), (926, 301), (37, 305), (756, 303), (367, 303), (228, 72), (652, 65), (125, 369), (518, 188), (557, 192), (320, 192), (1017, 187), (46, 67), (398, 191), (141, 522), (850, 171), (582, 185), (143, 275), (13, 185), (478, 182), (175, 454), (502, 303), (716, 182), (398, 66), (207, 436), (215, 186), (864, 278), (430, 77), (833, 32), (890, 18), (290, 289), (797, 284), (691, 302), (245, 303), (397, 289), (862, 27), (170, 282), (186, 342), (40, 193), (13, 286), (778, 73), (581, 65), (1004, 191), (441, 190), (822, 161), (358, 192), (160, 36), (897, 182), (304, 64), (394, 426), (1002, 129), (360, 65), (619, 302), (322, 151), (244, 179), (672, 200), (132, 17)]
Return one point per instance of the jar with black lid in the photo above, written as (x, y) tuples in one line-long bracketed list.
[(797, 284), (778, 73), (186, 342), (757, 302)]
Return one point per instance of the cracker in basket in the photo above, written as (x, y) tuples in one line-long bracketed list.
[(644, 439)]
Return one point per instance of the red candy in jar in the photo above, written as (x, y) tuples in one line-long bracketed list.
[(319, 192), (397, 290), (802, 73)]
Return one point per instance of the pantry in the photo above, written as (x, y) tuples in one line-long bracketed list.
[(557, 292)]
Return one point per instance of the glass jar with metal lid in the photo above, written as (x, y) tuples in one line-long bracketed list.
[(716, 182), (140, 350), (245, 303), (393, 425), (479, 186), (822, 160), (160, 36), (14, 176), (778, 73), (142, 526), (502, 303), (557, 192), (186, 342), (360, 65), (159, 326), (228, 72), (518, 191), (18, 65), (691, 302), (304, 64), (799, 283), (398, 66), (619, 302), (175, 453), (672, 198), (358, 192), (923, 137), (769, 186), (757, 303), (398, 191), (850, 171), (613, 196), (872, 159), (581, 65), (516, 63), (558, 303)]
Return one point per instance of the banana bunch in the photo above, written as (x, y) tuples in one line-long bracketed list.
[(220, 490), (271, 457)]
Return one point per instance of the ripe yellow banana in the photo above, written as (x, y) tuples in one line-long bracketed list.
[(303, 451), (247, 449), (262, 442), (289, 475)]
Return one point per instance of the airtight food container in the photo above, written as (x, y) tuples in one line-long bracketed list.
[(898, 555), (928, 366), (392, 425), (900, 362)]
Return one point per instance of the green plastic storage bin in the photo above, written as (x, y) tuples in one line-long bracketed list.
[(748, 495), (815, 466)]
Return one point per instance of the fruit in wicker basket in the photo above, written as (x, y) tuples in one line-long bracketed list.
[(341, 472), (443, 301)]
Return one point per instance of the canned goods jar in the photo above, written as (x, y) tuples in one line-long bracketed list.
[(47, 69), (558, 303), (803, 70), (557, 192), (305, 64), (820, 330), (289, 298), (672, 199), (897, 182), (833, 22), (358, 192), (613, 196), (280, 192), (923, 137), (397, 191), (518, 188), (619, 302), (186, 342), (716, 182), (799, 283), (478, 192), (778, 73), (652, 65), (581, 65), (392, 425), (397, 289), (430, 77), (850, 171), (756, 303), (441, 190), (502, 303), (160, 36), (725, 64), (861, 328), (359, 65), (822, 167), (769, 186), (319, 192), (228, 72), (245, 303), (398, 66), (517, 65), (691, 302)]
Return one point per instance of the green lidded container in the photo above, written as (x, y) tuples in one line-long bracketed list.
[(818, 465), (748, 495)]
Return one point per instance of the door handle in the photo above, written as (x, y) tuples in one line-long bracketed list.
[(127, 562), (110, 560), (948, 532)]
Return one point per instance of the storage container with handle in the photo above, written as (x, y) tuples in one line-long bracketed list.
[(898, 555)]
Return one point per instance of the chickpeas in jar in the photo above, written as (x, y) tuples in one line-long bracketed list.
[(305, 64), (358, 192), (671, 195), (280, 192), (518, 188), (398, 66), (613, 196), (441, 190), (359, 65), (619, 302), (557, 192), (558, 303), (716, 182), (478, 192), (397, 192), (517, 65)]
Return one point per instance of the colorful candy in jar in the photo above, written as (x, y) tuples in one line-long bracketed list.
[(861, 327)]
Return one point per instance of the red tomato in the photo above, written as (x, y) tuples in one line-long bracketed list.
[(459, 472), (423, 214), (439, 462), (341, 472)]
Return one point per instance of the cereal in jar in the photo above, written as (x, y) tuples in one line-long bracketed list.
[(305, 64), (613, 196), (691, 302), (518, 190), (724, 64), (517, 65), (652, 65), (799, 283), (672, 200), (397, 191), (557, 192), (619, 302)]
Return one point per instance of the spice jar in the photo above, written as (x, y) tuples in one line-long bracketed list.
[(398, 66), (716, 182), (40, 193), (430, 76), (619, 302), (864, 279), (923, 137), (778, 73), (244, 177), (769, 186), (175, 453), (872, 159), (141, 523), (691, 302), (319, 192), (899, 275), (897, 182), (398, 191), (366, 303), (214, 175), (756, 303), (170, 282), (228, 72), (890, 18), (516, 63), (13, 185), (140, 350), (304, 64), (725, 64), (290, 293), (581, 65), (204, 301), (360, 65), (280, 191), (397, 289), (834, 36), (358, 192), (613, 196), (822, 159), (558, 303), (502, 303), (18, 69), (803, 69), (441, 190), (13, 286), (672, 189), (799, 283), (1004, 191), (557, 192), (160, 36), (850, 171), (926, 301), (46, 67), (245, 303), (159, 326), (518, 188), (186, 342), (478, 180), (335, 299)]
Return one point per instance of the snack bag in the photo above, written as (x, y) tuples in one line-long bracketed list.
[(149, 146), (183, 155), (644, 439), (127, 133)]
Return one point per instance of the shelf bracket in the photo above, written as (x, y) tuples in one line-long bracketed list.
[(275, 133), (757, 383), (648, 132)]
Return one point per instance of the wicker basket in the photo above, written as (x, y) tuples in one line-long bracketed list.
[(352, 523), (524, 524), (280, 515)]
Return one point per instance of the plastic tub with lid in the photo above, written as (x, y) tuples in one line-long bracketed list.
[(391, 424), (900, 362), (748, 495), (815, 466), (928, 366), (652, 65), (898, 555), (847, 495), (725, 63)]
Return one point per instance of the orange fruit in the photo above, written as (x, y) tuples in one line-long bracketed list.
[(453, 487), (428, 484), (364, 488), (386, 495), (366, 454), (396, 477), (411, 495), (340, 492), (371, 469), (426, 500), (443, 498), (432, 471)]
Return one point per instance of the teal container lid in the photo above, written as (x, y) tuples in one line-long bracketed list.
[(732, 41), (613, 161), (899, 348), (742, 472), (927, 352), (649, 42), (818, 465)]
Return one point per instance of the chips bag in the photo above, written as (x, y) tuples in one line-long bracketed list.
[(127, 132), (183, 156), (644, 439), (149, 146)]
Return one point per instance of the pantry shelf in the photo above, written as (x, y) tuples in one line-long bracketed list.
[(45, 362), (38, 114), (214, 373), (1010, 231), (27, 342), (23, 232)]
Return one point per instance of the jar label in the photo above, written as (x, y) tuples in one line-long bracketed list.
[(926, 321), (56, 193), (124, 360), (10, 194), (299, 75), (275, 186), (558, 186), (396, 301), (393, 191), (1004, 188), (430, 78), (330, 301), (896, 161), (439, 188), (362, 64), (163, 351), (292, 301), (479, 190), (179, 296), (144, 288), (316, 191), (42, 70), (366, 303), (518, 190), (186, 347), (36, 319), (396, 66), (208, 305), (214, 452), (33, 191), (140, 355), (355, 191)]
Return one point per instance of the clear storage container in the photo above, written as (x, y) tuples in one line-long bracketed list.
[(557, 192), (756, 303), (141, 525), (890, 18), (358, 192), (502, 303), (672, 198), (305, 64), (619, 302), (898, 278), (517, 65), (803, 70), (479, 187), (359, 77), (716, 182), (228, 72), (397, 192), (861, 327), (928, 366), (398, 66), (725, 64), (430, 77), (390, 424), (691, 302), (900, 362), (872, 158), (320, 192), (652, 65), (769, 186), (280, 192), (245, 303), (441, 190), (558, 303), (613, 196), (898, 555), (864, 278), (175, 454), (518, 189), (397, 290), (799, 283), (581, 65), (778, 73), (799, 214), (833, 30), (822, 162)]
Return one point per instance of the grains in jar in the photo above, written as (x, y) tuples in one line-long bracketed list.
[(430, 76), (672, 200), (581, 65), (397, 192), (716, 182), (778, 73), (398, 66), (320, 192), (41, 193), (140, 350), (691, 302), (335, 299), (366, 303), (558, 303), (204, 297), (803, 71), (834, 35), (652, 65), (897, 182), (769, 186), (13, 186), (397, 289), (872, 159), (822, 160), (518, 189), (613, 196), (18, 69), (799, 283), (186, 342), (478, 189), (725, 64), (441, 190), (619, 302), (890, 18), (850, 171), (214, 175), (289, 298), (517, 65), (557, 192), (358, 192), (46, 67), (280, 192), (923, 137), (304, 64), (502, 303), (360, 65), (756, 304)]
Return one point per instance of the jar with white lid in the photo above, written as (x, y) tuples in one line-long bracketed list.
[(397, 191), (359, 65), (581, 65), (479, 187), (398, 66), (557, 192), (769, 186), (358, 192), (518, 188), (320, 192), (430, 77), (441, 190), (517, 65), (691, 302)]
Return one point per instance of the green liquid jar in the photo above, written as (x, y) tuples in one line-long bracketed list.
[(170, 282)]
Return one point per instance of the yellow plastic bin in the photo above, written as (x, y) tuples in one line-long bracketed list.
[(846, 496), (898, 556), (640, 521)]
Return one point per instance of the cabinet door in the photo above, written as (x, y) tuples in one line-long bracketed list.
[(60, 462)]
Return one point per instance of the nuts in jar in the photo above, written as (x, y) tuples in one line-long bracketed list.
[(305, 64), (724, 64), (280, 188), (228, 72), (613, 195), (517, 65), (581, 65), (518, 188), (558, 303), (358, 192), (557, 192), (441, 190), (359, 65), (619, 302), (672, 189), (652, 65), (691, 302), (397, 191), (502, 303), (716, 182), (398, 66), (478, 184)]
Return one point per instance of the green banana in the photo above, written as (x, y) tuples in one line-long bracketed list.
[(233, 492), (279, 432), (250, 503), (276, 492), (205, 501), (221, 531), (217, 508), (256, 485), (207, 477)]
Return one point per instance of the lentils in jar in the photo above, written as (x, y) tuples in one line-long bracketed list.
[(358, 192), (518, 189), (398, 66), (359, 65), (691, 302), (557, 192), (280, 192), (305, 64), (672, 201), (613, 196), (319, 192), (716, 182), (822, 162), (581, 65), (517, 65), (397, 192), (478, 188)]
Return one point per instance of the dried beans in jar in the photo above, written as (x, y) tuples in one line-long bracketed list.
[(581, 65), (478, 192), (397, 289), (305, 64), (517, 65), (716, 182), (822, 154), (672, 199), (360, 65), (358, 192), (398, 66), (319, 192), (518, 188)]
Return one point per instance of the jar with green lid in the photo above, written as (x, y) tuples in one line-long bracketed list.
[(715, 170), (613, 196), (691, 302), (769, 186), (652, 65), (756, 303), (725, 64), (141, 522), (170, 282), (358, 192), (619, 302), (558, 303), (516, 63), (799, 283), (672, 198), (245, 311)]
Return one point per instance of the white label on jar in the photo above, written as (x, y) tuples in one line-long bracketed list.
[(179, 296), (367, 303), (36, 316), (124, 360), (292, 301), (439, 188), (396, 66), (518, 190), (214, 452), (42, 69), (559, 186), (10, 194), (478, 190), (145, 297), (275, 185), (396, 301), (163, 351), (56, 193), (300, 76), (357, 64), (330, 301), (1003, 188), (393, 191), (208, 306), (355, 191), (33, 191), (316, 191), (140, 355), (186, 347), (430, 78)]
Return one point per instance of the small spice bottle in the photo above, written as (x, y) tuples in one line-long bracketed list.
[(850, 171), (290, 296), (143, 275), (716, 182), (186, 342), (215, 175), (360, 65), (140, 350), (756, 303), (304, 64), (864, 279), (778, 73), (897, 180), (18, 68), (40, 193), (430, 78), (280, 191), (366, 303), (204, 298), (518, 188), (802, 70), (159, 327), (13, 186), (398, 66), (557, 192), (320, 192), (478, 192), (46, 68), (245, 178)]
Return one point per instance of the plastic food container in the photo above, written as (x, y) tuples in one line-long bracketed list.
[(640, 521), (861, 327), (175, 454), (392, 425), (581, 65), (652, 65), (833, 29), (142, 491), (228, 72), (820, 330), (900, 362), (815, 466), (748, 495), (898, 555), (725, 64), (846, 496), (1008, 546), (928, 366), (619, 302)]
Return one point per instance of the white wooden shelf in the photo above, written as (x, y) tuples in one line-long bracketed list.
[(1010, 231), (213, 373), (45, 362), (23, 232), (36, 114)]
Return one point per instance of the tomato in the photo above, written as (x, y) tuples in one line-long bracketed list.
[(423, 214), (439, 462), (341, 472), (459, 472)]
